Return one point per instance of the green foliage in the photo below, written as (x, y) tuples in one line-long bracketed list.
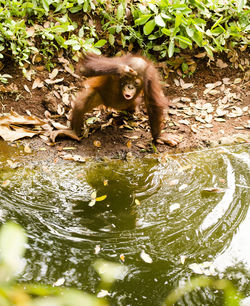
[(231, 296), (161, 28), (187, 23), (31, 27), (12, 247)]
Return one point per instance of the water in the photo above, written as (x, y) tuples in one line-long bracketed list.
[(181, 210)]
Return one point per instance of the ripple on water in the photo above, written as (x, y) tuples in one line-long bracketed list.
[(191, 205)]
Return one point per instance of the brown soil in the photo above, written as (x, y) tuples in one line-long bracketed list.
[(116, 139)]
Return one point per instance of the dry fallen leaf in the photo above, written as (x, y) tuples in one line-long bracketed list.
[(13, 133), (30, 31), (145, 257), (92, 203), (6, 183), (174, 207), (15, 118), (206, 268), (12, 164), (201, 55), (26, 88), (226, 81), (174, 182), (237, 80), (97, 143), (107, 124), (122, 257), (219, 119), (77, 158), (69, 70), (214, 190), (37, 83), (185, 99), (65, 132), (187, 85), (177, 82), (184, 168), (49, 81), (27, 149), (68, 148), (186, 122), (137, 202), (132, 137), (221, 64), (101, 198), (129, 144), (183, 258), (53, 73), (97, 249), (236, 112)]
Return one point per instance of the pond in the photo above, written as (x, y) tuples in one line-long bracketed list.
[(187, 213)]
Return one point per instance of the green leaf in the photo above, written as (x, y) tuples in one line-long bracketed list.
[(76, 47), (12, 247), (45, 5), (123, 40), (111, 39), (198, 38), (158, 48), (167, 17), (171, 48), (184, 40), (190, 31), (143, 19), (241, 4), (75, 9), (218, 30), (12, 242), (81, 32), (149, 27), (217, 22), (166, 32), (120, 11), (178, 20), (209, 51), (159, 21), (71, 42), (184, 67), (86, 6), (61, 41), (100, 43), (153, 7)]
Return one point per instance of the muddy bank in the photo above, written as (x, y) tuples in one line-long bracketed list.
[(208, 109)]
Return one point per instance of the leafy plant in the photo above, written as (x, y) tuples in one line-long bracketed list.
[(188, 23), (231, 296), (160, 28), (12, 248)]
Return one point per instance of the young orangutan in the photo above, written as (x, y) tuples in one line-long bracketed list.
[(117, 82)]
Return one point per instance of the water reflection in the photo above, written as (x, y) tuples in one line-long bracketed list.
[(192, 206)]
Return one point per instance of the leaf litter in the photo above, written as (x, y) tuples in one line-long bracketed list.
[(192, 108)]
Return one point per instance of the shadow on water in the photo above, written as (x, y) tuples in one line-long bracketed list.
[(183, 211)]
